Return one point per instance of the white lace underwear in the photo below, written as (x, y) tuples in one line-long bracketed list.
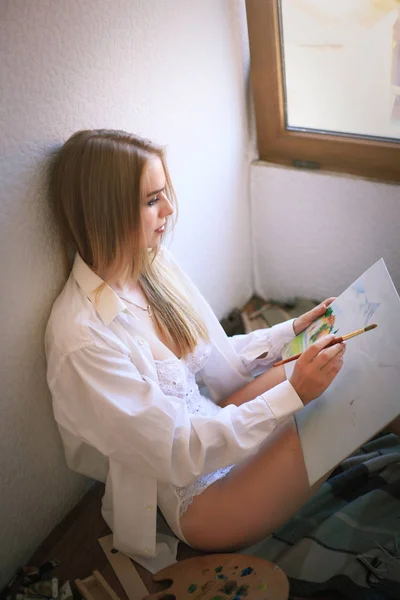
[(177, 378)]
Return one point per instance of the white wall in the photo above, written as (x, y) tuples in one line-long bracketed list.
[(169, 70), (315, 233)]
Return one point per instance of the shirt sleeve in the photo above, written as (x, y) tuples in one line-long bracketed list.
[(100, 396), (267, 343)]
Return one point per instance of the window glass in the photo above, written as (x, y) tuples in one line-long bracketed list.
[(342, 66)]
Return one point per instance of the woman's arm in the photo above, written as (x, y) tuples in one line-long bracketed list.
[(261, 384), (260, 349), (313, 373)]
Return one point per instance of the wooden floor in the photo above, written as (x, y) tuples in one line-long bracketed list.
[(74, 543)]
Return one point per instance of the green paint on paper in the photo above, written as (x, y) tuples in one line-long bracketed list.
[(262, 586), (192, 588), (218, 569)]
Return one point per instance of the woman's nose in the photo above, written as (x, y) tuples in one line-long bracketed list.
[(167, 208)]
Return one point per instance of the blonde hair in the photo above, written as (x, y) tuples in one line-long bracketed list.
[(96, 190)]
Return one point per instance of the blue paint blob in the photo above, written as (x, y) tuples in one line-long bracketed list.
[(247, 571)]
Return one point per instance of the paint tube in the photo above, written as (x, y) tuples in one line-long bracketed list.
[(46, 589), (9, 584), (47, 566), (33, 574), (28, 597), (66, 592)]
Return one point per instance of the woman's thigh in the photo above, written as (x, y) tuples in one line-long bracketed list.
[(254, 499)]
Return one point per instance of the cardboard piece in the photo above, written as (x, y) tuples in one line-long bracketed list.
[(95, 587), (124, 569)]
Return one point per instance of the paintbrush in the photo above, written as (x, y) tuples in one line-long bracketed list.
[(337, 340)]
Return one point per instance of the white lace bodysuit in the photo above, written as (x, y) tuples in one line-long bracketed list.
[(177, 378)]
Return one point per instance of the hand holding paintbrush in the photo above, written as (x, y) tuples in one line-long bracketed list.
[(337, 340)]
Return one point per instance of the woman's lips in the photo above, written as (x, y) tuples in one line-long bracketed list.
[(160, 229)]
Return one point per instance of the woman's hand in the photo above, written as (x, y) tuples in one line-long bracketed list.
[(316, 368), (301, 323)]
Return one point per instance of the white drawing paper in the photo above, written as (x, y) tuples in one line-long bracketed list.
[(365, 396)]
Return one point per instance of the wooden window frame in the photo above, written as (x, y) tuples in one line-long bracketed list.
[(373, 159)]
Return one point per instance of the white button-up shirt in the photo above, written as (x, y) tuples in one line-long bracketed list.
[(116, 424)]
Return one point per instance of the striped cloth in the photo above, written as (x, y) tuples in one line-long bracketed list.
[(347, 537)]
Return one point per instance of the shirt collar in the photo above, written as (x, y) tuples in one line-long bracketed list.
[(108, 304)]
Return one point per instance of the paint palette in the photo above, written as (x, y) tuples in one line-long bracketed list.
[(223, 577)]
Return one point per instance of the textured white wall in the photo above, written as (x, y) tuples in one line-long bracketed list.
[(168, 70), (315, 233)]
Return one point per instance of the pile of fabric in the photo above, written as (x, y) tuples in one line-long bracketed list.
[(347, 537), (258, 313)]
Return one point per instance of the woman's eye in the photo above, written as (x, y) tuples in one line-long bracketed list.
[(152, 201)]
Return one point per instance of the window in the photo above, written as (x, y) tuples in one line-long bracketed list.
[(326, 84)]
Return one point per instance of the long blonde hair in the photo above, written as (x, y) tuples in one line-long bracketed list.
[(96, 187)]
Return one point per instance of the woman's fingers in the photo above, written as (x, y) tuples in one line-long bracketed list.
[(329, 301), (333, 367), (317, 368), (328, 355), (312, 352), (321, 308)]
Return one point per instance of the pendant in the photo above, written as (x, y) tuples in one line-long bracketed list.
[(149, 311)]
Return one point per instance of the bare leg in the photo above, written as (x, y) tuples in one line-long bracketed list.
[(394, 427), (254, 499)]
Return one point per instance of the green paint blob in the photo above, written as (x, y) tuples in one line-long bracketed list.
[(242, 590), (192, 588), (229, 587), (263, 586), (218, 569)]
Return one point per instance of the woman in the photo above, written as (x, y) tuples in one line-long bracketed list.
[(125, 341)]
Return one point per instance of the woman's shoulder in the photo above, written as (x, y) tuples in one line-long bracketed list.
[(68, 326)]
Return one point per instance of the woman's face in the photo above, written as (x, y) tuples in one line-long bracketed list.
[(156, 207)]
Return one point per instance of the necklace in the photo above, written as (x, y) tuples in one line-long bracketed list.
[(147, 309)]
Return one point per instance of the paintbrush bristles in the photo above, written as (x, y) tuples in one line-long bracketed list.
[(358, 332)]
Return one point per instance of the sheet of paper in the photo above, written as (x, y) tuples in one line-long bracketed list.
[(365, 396)]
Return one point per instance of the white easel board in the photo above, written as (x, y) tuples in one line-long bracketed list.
[(365, 396)]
